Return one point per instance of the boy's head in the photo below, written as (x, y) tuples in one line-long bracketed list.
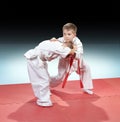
[(69, 44), (69, 31)]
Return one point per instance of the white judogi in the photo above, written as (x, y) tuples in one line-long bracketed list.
[(37, 67), (63, 64)]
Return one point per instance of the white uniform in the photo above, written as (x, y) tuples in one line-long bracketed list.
[(63, 64), (37, 67)]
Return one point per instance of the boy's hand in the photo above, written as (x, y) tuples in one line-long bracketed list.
[(53, 39), (75, 47)]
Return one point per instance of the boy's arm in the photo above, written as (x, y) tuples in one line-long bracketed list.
[(79, 45)]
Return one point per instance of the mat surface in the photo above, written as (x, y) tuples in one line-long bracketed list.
[(70, 104)]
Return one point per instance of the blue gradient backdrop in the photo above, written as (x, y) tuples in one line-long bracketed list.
[(101, 42)]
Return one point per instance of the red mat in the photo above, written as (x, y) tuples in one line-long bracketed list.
[(70, 104)]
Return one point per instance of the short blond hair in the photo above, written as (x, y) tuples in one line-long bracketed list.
[(69, 44), (70, 26)]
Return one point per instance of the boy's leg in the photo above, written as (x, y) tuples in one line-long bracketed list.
[(39, 79), (62, 70), (85, 75)]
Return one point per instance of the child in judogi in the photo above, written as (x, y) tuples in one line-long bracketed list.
[(70, 35), (37, 67)]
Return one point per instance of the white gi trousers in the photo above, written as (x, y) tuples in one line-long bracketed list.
[(39, 78), (86, 74)]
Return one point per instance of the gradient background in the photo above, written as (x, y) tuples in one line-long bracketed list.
[(23, 28)]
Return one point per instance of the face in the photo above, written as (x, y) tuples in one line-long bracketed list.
[(68, 35)]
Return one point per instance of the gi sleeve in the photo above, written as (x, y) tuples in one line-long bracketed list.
[(79, 45), (32, 53), (62, 50)]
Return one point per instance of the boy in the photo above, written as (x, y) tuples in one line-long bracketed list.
[(70, 35), (37, 67)]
